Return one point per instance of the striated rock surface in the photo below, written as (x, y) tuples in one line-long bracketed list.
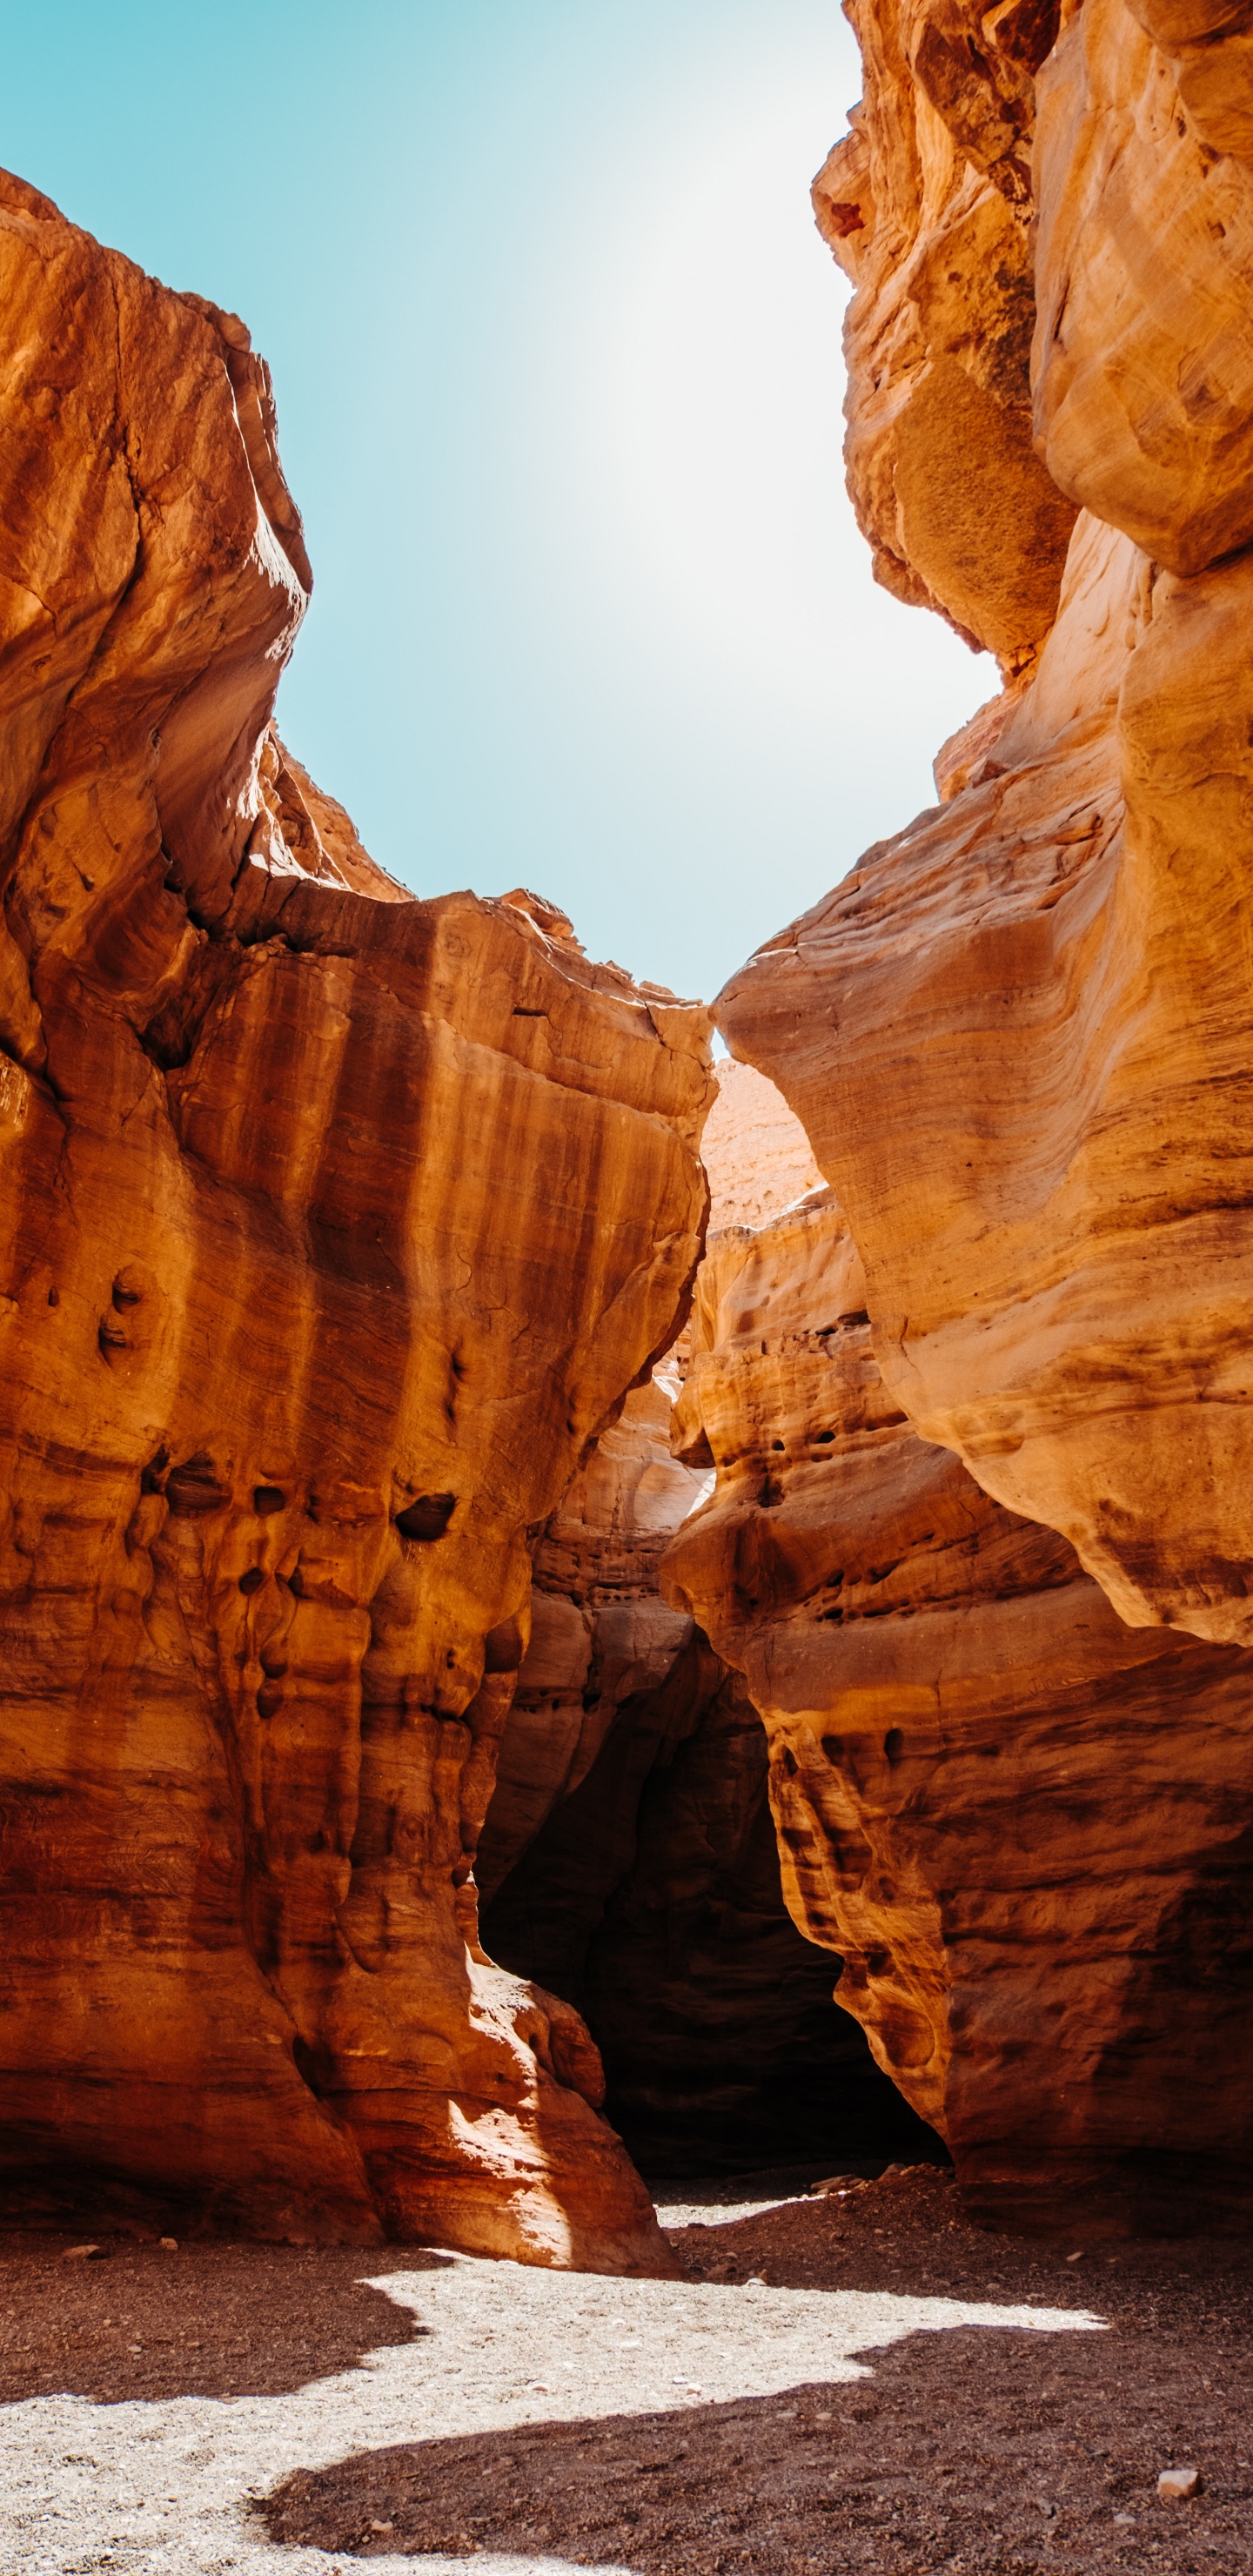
[(1143, 357), (652, 1900), (1014, 1763), (1018, 1035), (1025, 1827), (628, 1861), (335, 1225)]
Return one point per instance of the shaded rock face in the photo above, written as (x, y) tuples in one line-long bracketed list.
[(335, 1225), (1025, 1827), (601, 1635), (628, 1862), (1018, 1034), (647, 1891)]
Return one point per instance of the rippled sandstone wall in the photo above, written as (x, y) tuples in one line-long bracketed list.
[(1019, 1034), (1019, 1038), (1025, 1827), (335, 1225)]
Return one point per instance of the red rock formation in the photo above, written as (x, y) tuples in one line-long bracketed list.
[(600, 1632), (335, 1225), (923, 204), (1025, 1827), (628, 1860), (757, 1156), (651, 1899), (1018, 1036)]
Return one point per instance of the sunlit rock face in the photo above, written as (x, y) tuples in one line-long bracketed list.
[(1019, 1039), (925, 204), (1023, 1826), (1018, 1034), (628, 1862), (336, 1225), (1143, 357)]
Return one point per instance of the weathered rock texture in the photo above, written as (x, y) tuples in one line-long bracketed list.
[(756, 1154), (335, 1225), (1019, 1034), (924, 204), (1024, 1826), (1019, 1039), (629, 1861), (651, 1899), (600, 1632)]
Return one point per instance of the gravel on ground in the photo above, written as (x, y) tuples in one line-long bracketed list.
[(857, 2381)]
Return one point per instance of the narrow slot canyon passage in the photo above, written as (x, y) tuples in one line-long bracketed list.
[(626, 1674), (857, 2377), (629, 1860)]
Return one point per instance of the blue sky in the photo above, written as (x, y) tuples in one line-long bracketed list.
[(556, 351)]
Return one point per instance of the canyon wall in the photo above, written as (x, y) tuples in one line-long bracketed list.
[(629, 1859), (335, 1226), (1018, 1034), (1015, 1782), (1025, 1827)]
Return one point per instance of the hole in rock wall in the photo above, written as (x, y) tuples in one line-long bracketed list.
[(428, 1517)]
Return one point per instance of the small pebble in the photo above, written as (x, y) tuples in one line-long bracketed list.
[(1176, 2485), (170, 2244), (83, 2254)]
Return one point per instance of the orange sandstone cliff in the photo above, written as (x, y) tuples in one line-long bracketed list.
[(335, 1225), (1019, 1035), (1016, 1781), (1024, 1826)]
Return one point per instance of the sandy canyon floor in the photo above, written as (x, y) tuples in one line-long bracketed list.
[(846, 2383)]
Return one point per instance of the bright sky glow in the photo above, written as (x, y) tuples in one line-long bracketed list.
[(556, 349)]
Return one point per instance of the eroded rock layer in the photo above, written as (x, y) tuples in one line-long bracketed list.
[(924, 203), (628, 1861), (1019, 1038), (1025, 1827), (1018, 1034), (335, 1224)]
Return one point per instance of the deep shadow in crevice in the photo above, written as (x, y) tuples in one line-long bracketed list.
[(651, 1899)]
